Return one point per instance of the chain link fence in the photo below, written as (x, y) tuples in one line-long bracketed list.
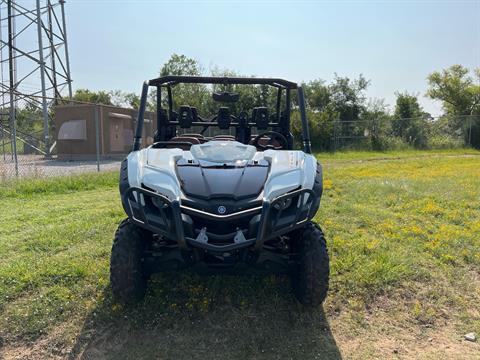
[(29, 149), (396, 134)]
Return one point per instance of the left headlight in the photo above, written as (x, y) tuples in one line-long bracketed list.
[(283, 204)]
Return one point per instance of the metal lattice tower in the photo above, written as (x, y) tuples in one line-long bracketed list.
[(34, 60)]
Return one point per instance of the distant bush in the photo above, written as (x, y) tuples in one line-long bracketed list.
[(445, 142), (395, 143)]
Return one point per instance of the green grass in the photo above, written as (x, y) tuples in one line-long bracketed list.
[(392, 154), (26, 188), (404, 237)]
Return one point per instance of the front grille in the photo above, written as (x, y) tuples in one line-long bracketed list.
[(221, 227)]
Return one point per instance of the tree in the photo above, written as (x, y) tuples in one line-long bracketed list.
[(185, 94), (409, 120), (321, 128), (347, 100), (343, 99), (317, 94), (125, 99), (29, 118), (250, 95), (321, 114), (460, 96), (377, 120), (458, 91), (96, 97), (181, 65), (348, 96)]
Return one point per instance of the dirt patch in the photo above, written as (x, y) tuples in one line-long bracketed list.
[(382, 335), (383, 338)]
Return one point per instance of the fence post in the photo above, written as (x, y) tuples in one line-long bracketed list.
[(97, 138), (470, 120), (334, 135), (3, 142)]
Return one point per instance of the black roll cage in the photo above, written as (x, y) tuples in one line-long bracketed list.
[(169, 81)]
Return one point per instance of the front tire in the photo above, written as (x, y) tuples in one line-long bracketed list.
[(127, 278), (311, 276)]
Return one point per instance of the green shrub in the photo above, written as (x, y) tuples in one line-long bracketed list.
[(445, 142)]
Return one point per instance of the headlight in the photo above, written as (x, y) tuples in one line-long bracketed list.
[(159, 203), (283, 204)]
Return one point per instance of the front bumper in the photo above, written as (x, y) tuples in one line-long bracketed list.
[(172, 220)]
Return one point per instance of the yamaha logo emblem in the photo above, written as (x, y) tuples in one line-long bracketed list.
[(222, 209)]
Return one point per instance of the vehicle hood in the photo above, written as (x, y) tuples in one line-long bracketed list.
[(222, 169), (208, 180)]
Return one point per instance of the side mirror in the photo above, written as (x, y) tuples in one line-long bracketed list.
[(227, 97)]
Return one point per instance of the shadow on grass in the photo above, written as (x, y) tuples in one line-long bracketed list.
[(185, 316)]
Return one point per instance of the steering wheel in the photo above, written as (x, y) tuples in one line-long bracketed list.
[(274, 136)]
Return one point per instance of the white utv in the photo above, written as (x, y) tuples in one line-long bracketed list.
[(224, 203)]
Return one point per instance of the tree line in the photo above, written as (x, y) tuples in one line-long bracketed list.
[(340, 109)]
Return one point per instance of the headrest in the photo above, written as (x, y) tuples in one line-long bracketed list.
[(260, 117), (223, 118)]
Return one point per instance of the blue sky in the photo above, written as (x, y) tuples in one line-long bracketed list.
[(395, 44)]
